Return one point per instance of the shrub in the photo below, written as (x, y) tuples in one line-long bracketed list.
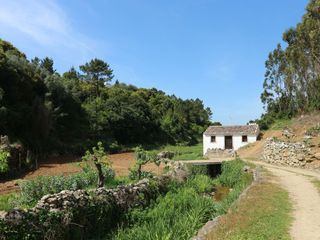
[(177, 215), (34, 190), (99, 159), (313, 131), (232, 173), (4, 166), (142, 158)]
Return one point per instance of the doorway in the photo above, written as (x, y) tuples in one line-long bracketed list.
[(228, 142)]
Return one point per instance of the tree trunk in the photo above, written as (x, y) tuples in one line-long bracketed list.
[(100, 175)]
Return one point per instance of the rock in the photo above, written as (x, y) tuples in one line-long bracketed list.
[(317, 155), (300, 157), (286, 153), (287, 133), (246, 168), (165, 155)]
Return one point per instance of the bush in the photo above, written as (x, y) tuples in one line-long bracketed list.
[(142, 158), (4, 166), (232, 173), (177, 215), (34, 190)]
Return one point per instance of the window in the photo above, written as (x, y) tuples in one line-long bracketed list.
[(213, 138), (244, 138)]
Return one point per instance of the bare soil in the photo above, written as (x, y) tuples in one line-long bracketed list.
[(66, 165)]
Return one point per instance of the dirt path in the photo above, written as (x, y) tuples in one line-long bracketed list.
[(305, 198)]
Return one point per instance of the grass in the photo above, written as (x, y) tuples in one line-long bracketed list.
[(12, 200), (316, 183), (7, 201), (177, 215), (185, 208), (264, 214), (281, 124), (193, 152)]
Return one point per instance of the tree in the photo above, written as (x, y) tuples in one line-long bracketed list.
[(98, 72), (99, 159), (292, 79), (47, 63), (142, 158)]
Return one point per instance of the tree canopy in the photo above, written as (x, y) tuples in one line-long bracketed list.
[(292, 78), (48, 112)]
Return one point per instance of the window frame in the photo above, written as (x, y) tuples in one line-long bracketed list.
[(213, 139), (244, 138)]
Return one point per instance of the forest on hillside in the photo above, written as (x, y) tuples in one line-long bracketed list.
[(67, 113), (292, 78)]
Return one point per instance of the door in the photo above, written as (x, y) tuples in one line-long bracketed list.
[(228, 142)]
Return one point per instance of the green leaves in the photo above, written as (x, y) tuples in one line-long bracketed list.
[(292, 79), (4, 166), (142, 158)]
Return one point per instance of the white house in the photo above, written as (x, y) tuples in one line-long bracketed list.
[(229, 137)]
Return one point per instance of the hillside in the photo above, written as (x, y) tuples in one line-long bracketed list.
[(303, 129)]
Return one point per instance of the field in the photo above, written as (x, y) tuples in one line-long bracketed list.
[(178, 214), (193, 152), (69, 165)]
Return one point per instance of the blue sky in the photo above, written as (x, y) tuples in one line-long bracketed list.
[(209, 49)]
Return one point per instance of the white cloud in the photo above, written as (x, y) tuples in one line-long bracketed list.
[(45, 23)]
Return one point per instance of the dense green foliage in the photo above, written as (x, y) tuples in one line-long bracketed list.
[(292, 78), (4, 166), (33, 190), (186, 207), (177, 215), (47, 112)]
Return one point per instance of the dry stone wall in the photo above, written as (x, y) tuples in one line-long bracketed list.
[(220, 153), (58, 216), (295, 154)]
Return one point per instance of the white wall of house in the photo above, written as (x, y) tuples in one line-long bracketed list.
[(219, 143), (207, 144), (237, 141)]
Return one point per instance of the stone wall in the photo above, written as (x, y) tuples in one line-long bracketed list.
[(220, 153), (294, 154), (59, 216)]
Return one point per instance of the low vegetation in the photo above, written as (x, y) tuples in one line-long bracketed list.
[(4, 166), (176, 213), (142, 158), (187, 152), (185, 208), (263, 214), (316, 183), (31, 191)]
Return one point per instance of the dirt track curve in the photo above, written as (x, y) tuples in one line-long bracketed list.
[(305, 198)]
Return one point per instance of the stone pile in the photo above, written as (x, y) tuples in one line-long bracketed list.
[(295, 154), (165, 155)]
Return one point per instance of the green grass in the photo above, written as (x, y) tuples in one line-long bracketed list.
[(280, 124), (7, 201), (12, 200), (177, 215), (185, 208), (193, 152), (316, 182), (264, 214)]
